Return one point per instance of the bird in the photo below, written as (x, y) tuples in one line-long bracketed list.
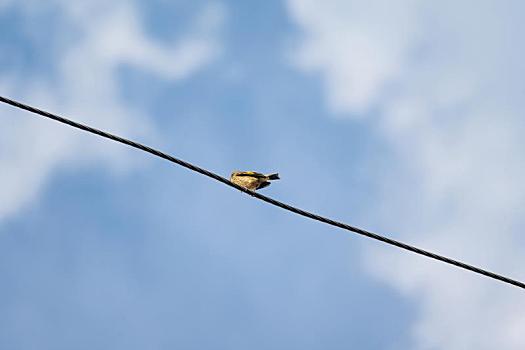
[(252, 180)]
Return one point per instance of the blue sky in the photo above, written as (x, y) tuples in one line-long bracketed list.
[(401, 119)]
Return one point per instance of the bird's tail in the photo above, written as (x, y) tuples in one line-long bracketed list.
[(273, 176)]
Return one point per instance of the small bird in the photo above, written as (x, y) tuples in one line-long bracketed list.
[(252, 180)]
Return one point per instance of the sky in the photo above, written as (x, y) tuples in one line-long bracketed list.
[(404, 118)]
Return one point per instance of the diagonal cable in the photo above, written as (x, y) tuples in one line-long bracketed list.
[(265, 198)]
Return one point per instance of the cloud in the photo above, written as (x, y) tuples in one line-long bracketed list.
[(375, 48), (89, 43), (443, 79)]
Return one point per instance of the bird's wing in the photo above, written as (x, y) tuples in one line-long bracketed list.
[(251, 174)]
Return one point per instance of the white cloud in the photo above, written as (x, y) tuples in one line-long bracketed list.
[(98, 37), (356, 56), (446, 77)]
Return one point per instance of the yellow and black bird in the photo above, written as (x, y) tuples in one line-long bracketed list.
[(252, 180)]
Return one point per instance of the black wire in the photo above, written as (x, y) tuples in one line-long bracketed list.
[(264, 198)]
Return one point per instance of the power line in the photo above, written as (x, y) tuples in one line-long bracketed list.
[(264, 198)]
